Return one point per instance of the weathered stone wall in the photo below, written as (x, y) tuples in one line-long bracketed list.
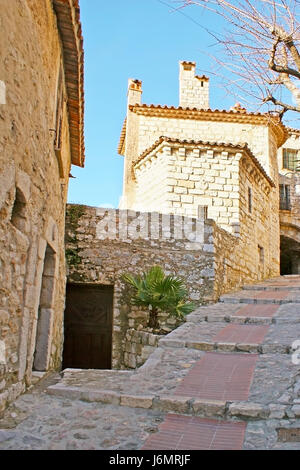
[(256, 136), (103, 244), (33, 191), (178, 178), (220, 179), (292, 179), (259, 227), (138, 345)]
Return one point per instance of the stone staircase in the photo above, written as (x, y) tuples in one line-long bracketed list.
[(229, 372)]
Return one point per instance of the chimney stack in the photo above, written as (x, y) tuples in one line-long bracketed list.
[(134, 92), (193, 89)]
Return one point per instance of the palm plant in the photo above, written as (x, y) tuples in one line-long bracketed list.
[(158, 292)]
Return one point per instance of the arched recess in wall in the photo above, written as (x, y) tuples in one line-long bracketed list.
[(18, 214), (45, 313)]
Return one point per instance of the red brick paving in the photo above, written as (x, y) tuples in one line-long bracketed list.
[(242, 334), (276, 295), (253, 310), (219, 376), (179, 432)]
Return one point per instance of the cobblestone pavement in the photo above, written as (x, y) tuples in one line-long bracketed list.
[(225, 379)]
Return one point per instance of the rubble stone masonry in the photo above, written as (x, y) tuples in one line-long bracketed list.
[(33, 189)]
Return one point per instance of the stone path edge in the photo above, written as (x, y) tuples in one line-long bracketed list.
[(228, 347), (184, 405)]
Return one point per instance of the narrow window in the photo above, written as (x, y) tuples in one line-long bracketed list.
[(290, 159), (261, 254), (202, 212), (249, 200), (18, 215), (59, 111), (285, 197)]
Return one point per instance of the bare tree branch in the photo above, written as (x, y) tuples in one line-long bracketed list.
[(261, 46)]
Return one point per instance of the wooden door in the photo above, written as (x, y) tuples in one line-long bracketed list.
[(88, 327)]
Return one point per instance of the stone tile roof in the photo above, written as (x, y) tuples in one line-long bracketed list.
[(242, 147), (69, 26)]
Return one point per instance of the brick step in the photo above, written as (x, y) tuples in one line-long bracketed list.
[(272, 288), (185, 405), (256, 296), (263, 338), (257, 314), (228, 347)]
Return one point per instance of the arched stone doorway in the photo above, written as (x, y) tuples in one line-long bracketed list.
[(289, 256)]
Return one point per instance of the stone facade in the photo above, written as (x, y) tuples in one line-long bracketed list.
[(290, 203), (179, 160), (41, 135)]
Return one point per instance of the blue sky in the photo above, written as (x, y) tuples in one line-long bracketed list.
[(131, 39)]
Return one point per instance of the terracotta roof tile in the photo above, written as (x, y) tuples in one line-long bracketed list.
[(69, 26)]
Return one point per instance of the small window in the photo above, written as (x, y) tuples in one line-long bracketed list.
[(290, 159), (59, 111), (285, 197), (261, 254), (249, 200), (18, 215), (202, 212)]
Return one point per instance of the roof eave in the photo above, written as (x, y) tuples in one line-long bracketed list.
[(69, 26)]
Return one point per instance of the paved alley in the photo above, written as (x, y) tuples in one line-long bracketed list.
[(228, 378)]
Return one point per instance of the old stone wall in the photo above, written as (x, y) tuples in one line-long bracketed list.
[(33, 188), (138, 345), (192, 176), (256, 136), (102, 244)]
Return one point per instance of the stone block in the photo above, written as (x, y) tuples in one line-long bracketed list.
[(137, 401), (202, 346), (172, 404), (209, 407), (248, 410), (296, 410)]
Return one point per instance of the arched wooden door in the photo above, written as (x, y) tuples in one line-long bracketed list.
[(88, 327)]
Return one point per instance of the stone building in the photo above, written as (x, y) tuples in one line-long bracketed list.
[(178, 159), (289, 191), (41, 135)]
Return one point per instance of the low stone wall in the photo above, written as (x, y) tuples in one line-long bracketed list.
[(138, 345), (102, 244)]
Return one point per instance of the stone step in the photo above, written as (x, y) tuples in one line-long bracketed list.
[(173, 377), (231, 336), (229, 347), (256, 296), (186, 405), (260, 314), (272, 288)]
